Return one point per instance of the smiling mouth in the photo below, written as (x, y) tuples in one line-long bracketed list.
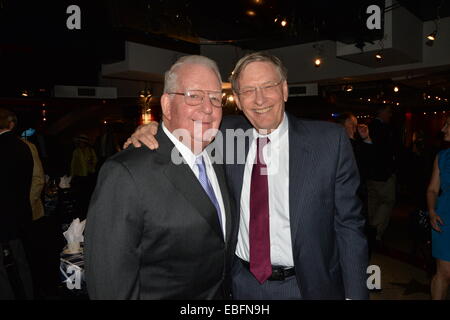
[(264, 110)]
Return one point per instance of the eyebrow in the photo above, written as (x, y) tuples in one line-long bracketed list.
[(264, 83), (214, 91)]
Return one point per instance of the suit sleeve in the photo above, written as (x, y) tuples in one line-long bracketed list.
[(113, 233), (349, 223)]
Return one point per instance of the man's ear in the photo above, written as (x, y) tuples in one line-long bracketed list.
[(166, 106), (236, 99), (285, 91)]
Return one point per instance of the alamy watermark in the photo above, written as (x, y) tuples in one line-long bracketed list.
[(374, 20), (73, 22), (228, 148)]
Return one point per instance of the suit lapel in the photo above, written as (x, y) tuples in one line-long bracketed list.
[(185, 181), (301, 161), (240, 168), (218, 169)]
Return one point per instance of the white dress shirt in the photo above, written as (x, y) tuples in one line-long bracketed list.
[(189, 157), (276, 156)]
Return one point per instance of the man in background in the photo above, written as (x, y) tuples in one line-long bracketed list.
[(381, 181), (16, 170)]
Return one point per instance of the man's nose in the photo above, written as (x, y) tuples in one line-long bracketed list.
[(207, 106), (259, 96)]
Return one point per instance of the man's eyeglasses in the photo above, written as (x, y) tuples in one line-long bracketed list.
[(266, 89), (195, 97)]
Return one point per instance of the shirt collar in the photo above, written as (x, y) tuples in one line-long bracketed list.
[(276, 134), (186, 153)]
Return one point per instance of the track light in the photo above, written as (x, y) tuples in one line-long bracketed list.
[(432, 36), (379, 56), (317, 62), (348, 88)]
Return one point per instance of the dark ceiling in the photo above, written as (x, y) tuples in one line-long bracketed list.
[(36, 48), (427, 10), (252, 24)]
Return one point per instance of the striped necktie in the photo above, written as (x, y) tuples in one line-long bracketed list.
[(206, 184)]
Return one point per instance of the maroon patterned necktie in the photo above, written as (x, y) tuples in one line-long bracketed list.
[(259, 235)]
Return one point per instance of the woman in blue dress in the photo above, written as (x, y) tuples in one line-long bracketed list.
[(439, 209)]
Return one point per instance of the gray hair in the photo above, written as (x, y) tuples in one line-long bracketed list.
[(253, 57), (170, 77)]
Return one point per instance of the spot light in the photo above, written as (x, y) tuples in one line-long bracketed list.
[(284, 23), (317, 62), (250, 13), (396, 89), (379, 56), (431, 38)]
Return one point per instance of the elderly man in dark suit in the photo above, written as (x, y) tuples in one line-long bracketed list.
[(159, 222), (16, 171), (300, 233)]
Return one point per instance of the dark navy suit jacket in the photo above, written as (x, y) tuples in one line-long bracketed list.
[(328, 244)]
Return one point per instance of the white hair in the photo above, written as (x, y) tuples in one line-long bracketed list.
[(170, 77)]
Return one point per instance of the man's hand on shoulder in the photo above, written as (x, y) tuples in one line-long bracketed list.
[(144, 134)]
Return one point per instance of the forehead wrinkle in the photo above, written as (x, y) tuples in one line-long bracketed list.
[(273, 71)]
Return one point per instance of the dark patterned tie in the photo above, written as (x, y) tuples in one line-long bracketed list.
[(259, 235)]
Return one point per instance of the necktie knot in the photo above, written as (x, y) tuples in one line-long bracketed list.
[(200, 162), (260, 144)]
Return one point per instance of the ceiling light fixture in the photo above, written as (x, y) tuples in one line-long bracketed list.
[(318, 59), (250, 13), (379, 54), (318, 62), (432, 36)]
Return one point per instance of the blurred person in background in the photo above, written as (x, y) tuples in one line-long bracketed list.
[(16, 171), (363, 150), (438, 199), (381, 180), (83, 169)]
